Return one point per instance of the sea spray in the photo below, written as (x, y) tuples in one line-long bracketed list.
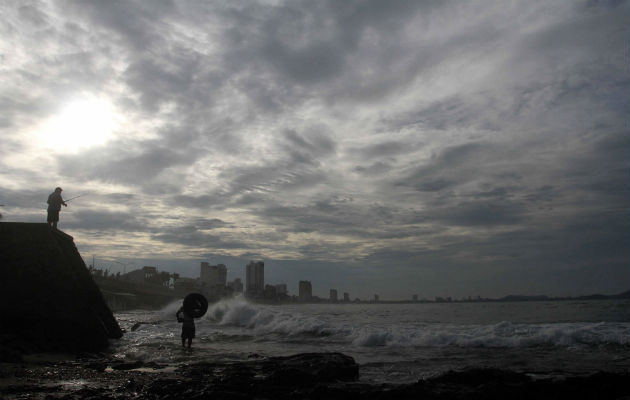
[(169, 311), (262, 319), (281, 321)]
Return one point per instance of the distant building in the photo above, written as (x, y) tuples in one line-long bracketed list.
[(213, 275), (333, 295), (270, 292), (376, 298), (144, 275), (185, 285), (281, 289), (305, 291), (443, 300), (255, 278), (149, 272), (236, 285), (414, 297), (346, 296), (212, 279)]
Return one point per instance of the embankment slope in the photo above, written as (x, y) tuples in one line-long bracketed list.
[(48, 300)]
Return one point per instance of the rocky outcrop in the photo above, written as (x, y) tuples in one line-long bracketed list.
[(297, 370), (48, 300), (325, 376)]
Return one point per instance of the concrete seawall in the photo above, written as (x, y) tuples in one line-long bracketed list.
[(48, 300)]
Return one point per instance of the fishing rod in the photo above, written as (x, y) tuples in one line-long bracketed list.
[(75, 197)]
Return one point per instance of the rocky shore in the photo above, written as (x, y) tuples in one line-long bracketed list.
[(302, 376)]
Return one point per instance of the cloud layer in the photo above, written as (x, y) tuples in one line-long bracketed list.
[(438, 148)]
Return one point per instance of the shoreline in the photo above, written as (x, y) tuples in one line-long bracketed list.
[(306, 375)]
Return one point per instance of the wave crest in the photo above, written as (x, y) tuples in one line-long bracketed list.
[(263, 320)]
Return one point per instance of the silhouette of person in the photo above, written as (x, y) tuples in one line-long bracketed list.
[(54, 206), (188, 326)]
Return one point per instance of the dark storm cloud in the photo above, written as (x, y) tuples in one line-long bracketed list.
[(212, 223), (342, 216), (201, 202), (135, 164), (453, 166), (440, 115), (119, 197), (479, 214), (557, 241), (310, 43), (162, 80), (270, 178), (376, 168), (25, 198), (387, 148), (192, 235), (602, 172), (136, 24), (106, 221), (306, 149)]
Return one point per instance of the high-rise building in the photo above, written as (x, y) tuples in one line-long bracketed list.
[(255, 278), (376, 298), (414, 297), (305, 291), (346, 296), (212, 279), (213, 275), (333, 295)]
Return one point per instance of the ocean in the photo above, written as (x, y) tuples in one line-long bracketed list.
[(396, 343)]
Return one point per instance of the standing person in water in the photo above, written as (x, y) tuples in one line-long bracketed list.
[(188, 326), (54, 206)]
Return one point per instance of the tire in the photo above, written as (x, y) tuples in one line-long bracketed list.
[(195, 305)]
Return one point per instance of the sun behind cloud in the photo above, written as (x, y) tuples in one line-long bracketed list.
[(82, 123)]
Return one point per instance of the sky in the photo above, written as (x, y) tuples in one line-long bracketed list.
[(437, 148)]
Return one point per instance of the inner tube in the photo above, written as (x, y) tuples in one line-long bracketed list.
[(195, 305)]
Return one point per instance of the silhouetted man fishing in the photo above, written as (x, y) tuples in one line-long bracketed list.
[(54, 206)]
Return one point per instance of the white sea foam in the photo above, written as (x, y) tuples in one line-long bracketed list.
[(412, 340), (264, 320), (504, 334)]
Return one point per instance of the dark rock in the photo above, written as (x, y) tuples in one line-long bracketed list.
[(477, 376), (9, 354), (126, 366), (96, 366), (312, 367), (273, 378), (48, 300), (258, 380)]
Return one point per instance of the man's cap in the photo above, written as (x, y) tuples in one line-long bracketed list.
[(58, 189)]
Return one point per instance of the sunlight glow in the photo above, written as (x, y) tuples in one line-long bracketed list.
[(80, 124)]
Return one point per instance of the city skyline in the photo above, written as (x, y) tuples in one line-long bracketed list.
[(294, 289), (439, 148)]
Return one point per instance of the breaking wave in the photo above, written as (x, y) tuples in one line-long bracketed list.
[(262, 320)]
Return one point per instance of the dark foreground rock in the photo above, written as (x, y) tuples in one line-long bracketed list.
[(303, 376), (48, 300)]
